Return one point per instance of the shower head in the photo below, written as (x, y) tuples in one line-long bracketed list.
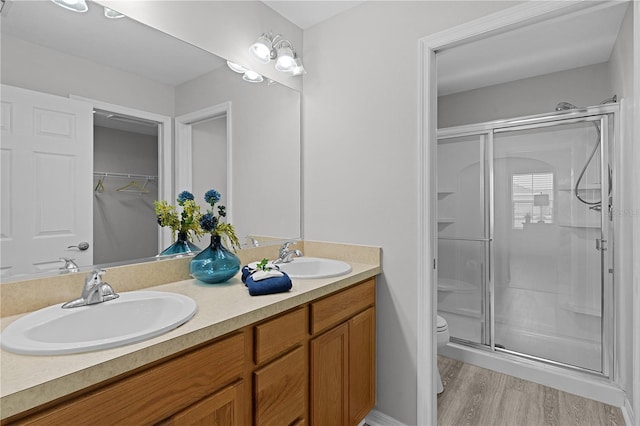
[(611, 100), (563, 106)]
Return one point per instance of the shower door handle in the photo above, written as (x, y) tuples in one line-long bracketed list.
[(600, 244)]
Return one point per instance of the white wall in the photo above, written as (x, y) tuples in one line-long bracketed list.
[(621, 75), (582, 86), (34, 67), (226, 28), (360, 159), (209, 171), (265, 132)]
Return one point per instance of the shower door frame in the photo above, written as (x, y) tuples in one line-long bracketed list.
[(607, 116)]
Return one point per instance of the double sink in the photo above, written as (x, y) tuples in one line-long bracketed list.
[(133, 317)]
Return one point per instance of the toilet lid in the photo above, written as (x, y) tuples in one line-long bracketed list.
[(442, 323)]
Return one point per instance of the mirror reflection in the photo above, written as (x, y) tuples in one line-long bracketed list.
[(154, 116)]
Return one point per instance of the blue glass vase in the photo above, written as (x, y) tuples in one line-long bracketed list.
[(215, 264), (181, 246)]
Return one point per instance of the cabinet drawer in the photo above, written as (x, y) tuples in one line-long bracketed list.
[(278, 335), (154, 394), (224, 408), (341, 306), (280, 390)]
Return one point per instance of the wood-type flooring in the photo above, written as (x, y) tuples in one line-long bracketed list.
[(476, 396)]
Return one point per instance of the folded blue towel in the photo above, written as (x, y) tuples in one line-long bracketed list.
[(269, 285), (252, 267), (246, 271)]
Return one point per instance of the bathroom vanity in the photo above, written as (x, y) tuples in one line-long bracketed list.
[(302, 357)]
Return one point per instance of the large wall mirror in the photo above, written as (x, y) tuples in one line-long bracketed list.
[(164, 116)]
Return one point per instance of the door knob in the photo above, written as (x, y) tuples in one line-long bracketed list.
[(81, 246)]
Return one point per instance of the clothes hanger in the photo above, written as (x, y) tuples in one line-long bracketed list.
[(134, 186), (99, 186)]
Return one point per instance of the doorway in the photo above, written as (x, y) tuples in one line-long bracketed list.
[(133, 166), (497, 23)]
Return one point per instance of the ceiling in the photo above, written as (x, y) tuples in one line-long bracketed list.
[(154, 55), (307, 13), (580, 39)]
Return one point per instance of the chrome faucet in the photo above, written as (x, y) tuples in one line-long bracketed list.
[(94, 291), (69, 265), (285, 255)]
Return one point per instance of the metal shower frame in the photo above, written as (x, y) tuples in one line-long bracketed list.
[(608, 117)]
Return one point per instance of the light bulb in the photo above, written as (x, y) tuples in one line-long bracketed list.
[(261, 49), (236, 67), (252, 77), (285, 61), (73, 5), (112, 14), (298, 68)]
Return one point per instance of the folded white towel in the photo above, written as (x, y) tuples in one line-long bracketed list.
[(254, 265), (260, 275)]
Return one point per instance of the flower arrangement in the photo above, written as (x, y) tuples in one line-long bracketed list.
[(214, 225), (186, 222), (191, 222)]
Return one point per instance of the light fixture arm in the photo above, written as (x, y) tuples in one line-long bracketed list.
[(278, 42), (270, 47)]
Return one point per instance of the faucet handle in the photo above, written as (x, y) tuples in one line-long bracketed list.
[(69, 265), (285, 246), (95, 276)]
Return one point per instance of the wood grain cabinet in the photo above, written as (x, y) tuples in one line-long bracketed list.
[(224, 408), (342, 362), (314, 364), (280, 385)]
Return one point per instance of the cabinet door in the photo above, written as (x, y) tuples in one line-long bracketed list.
[(362, 365), (224, 408), (280, 396), (329, 377)]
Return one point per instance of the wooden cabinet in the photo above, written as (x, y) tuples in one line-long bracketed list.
[(330, 377), (281, 379), (224, 408), (152, 395), (314, 364), (280, 390), (280, 334), (362, 365), (342, 359)]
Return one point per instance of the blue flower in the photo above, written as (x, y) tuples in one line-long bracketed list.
[(212, 196), (208, 222), (184, 196)]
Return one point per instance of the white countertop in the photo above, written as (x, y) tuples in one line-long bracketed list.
[(30, 381)]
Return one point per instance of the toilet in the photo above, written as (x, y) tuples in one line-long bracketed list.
[(442, 332)]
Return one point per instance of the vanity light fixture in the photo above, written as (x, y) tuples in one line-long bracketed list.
[(252, 77), (73, 5), (273, 47), (247, 74), (112, 14), (298, 68)]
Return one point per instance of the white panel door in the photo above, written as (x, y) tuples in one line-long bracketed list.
[(47, 165)]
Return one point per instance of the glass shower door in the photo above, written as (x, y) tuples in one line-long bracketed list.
[(463, 237), (547, 236)]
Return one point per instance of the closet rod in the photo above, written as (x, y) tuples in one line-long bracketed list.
[(125, 175)]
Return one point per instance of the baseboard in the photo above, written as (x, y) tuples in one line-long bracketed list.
[(627, 413), (376, 418)]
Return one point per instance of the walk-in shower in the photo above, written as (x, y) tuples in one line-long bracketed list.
[(524, 238)]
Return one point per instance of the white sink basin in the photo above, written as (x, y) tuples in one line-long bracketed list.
[(133, 317), (314, 267)]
